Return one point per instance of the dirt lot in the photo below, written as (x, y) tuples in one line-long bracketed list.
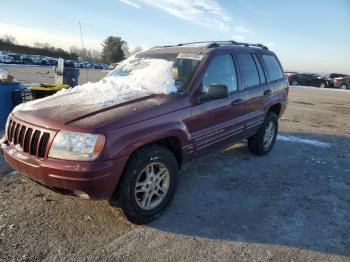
[(45, 74), (292, 205)]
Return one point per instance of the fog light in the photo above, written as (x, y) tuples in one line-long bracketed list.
[(81, 194)]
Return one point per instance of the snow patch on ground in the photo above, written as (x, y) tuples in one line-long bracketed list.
[(321, 89), (294, 139), (13, 173), (136, 78)]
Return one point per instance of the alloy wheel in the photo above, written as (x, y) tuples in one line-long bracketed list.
[(152, 186), (269, 134)]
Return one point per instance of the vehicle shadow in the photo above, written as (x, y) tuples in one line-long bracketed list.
[(298, 196)]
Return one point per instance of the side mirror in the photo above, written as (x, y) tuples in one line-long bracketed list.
[(216, 92)]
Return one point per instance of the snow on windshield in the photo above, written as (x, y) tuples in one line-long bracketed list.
[(133, 78)]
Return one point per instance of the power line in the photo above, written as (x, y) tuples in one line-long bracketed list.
[(82, 44)]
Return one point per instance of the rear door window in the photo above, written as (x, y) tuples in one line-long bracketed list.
[(248, 69), (273, 67), (221, 70)]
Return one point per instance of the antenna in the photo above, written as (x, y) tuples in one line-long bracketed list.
[(82, 45)]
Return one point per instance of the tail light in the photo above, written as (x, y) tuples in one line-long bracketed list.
[(286, 89)]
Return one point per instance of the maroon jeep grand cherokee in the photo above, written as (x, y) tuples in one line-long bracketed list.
[(130, 152)]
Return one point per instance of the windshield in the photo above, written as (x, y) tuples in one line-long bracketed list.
[(175, 68)]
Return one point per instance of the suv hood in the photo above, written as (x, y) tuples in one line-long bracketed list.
[(119, 96), (56, 113)]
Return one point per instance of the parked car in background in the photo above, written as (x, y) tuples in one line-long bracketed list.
[(16, 59), (335, 75), (78, 64), (289, 75), (112, 66), (308, 80), (342, 82), (45, 60), (36, 59), (131, 150), (5, 59), (53, 61), (100, 66), (86, 65), (332, 76), (68, 63), (27, 60)]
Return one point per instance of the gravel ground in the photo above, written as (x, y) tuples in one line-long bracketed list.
[(45, 74), (291, 205)]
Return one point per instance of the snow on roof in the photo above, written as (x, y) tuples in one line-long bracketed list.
[(154, 76)]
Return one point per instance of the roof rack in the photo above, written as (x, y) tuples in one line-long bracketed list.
[(161, 46), (199, 42), (212, 44)]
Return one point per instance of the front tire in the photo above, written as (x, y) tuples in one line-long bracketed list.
[(263, 141), (343, 86), (147, 186), (323, 85)]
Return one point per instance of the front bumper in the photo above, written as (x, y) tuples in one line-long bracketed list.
[(97, 179)]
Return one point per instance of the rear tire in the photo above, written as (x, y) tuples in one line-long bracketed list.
[(263, 141), (323, 85), (142, 195)]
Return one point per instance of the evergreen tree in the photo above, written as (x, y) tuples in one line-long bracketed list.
[(113, 50)]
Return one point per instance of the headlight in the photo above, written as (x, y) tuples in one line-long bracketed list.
[(77, 146), (7, 126)]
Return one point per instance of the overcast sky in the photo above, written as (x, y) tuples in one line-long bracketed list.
[(310, 35)]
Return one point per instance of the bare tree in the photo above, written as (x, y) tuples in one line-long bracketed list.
[(81, 53), (74, 50), (125, 48), (9, 39), (42, 45), (95, 55), (91, 55)]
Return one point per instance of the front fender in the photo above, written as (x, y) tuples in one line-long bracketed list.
[(123, 142)]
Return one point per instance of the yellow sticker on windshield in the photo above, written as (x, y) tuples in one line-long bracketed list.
[(190, 56)]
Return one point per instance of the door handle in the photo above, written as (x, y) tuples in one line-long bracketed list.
[(267, 92), (237, 102)]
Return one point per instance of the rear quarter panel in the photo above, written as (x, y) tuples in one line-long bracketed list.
[(279, 88)]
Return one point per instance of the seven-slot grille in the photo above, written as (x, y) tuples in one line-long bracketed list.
[(33, 141)]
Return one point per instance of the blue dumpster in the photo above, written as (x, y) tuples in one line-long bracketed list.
[(6, 103)]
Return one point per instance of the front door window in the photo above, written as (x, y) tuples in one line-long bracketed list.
[(221, 71)]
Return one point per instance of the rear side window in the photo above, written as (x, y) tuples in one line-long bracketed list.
[(221, 70), (261, 71), (274, 68), (248, 69)]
